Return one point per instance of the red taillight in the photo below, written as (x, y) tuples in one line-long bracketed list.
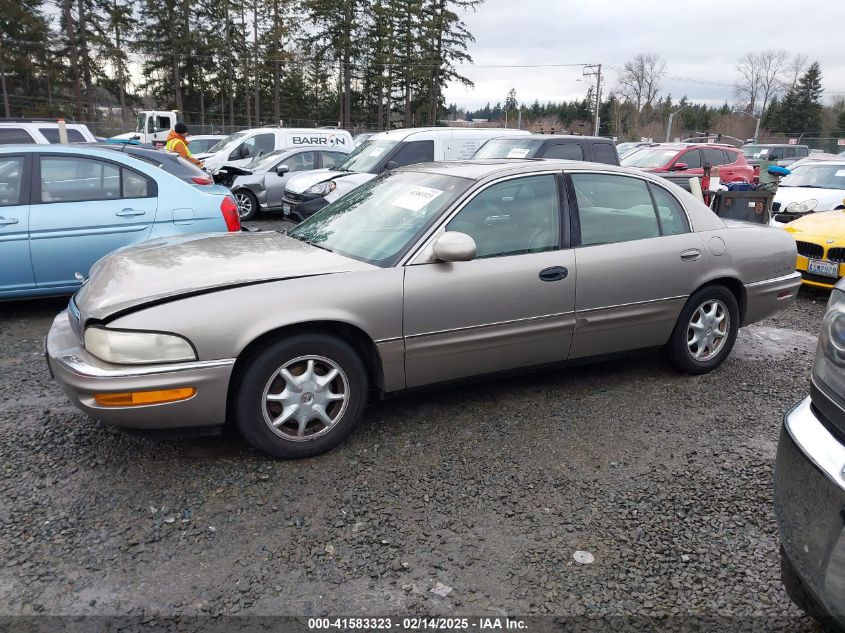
[(202, 180), (229, 209)]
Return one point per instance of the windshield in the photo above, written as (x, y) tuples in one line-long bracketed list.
[(818, 176), (648, 157), (366, 157), (142, 119), (265, 160), (229, 139), (755, 151), (509, 148), (377, 221)]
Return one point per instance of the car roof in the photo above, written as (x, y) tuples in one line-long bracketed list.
[(57, 148), (773, 145), (553, 137), (403, 133), (480, 169)]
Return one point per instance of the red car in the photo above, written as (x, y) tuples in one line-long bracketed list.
[(690, 160)]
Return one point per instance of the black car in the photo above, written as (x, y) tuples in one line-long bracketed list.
[(594, 149), (171, 162), (810, 481)]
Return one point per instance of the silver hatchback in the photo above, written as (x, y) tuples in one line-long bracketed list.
[(430, 273)]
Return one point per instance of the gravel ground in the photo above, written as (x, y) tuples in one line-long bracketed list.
[(489, 489)]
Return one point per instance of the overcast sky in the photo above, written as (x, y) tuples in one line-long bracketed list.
[(699, 41)]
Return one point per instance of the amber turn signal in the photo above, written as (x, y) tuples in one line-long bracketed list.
[(137, 398)]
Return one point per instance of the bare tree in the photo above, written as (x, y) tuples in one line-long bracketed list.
[(639, 81), (796, 67), (760, 78)]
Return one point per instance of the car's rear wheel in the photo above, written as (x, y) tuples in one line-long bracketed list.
[(705, 332), (247, 204), (300, 396)]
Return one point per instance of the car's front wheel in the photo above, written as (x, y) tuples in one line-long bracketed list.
[(705, 332), (247, 204), (300, 396)]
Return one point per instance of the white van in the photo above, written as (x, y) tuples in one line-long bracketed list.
[(307, 193), (240, 148)]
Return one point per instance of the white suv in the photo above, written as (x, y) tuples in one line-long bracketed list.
[(33, 131)]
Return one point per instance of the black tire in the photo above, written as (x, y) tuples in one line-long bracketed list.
[(678, 351), (251, 410), (247, 204)]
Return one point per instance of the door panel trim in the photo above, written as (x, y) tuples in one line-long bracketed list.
[(629, 314), (496, 324), (466, 352), (98, 230)]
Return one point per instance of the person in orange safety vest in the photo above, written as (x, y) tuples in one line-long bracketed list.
[(177, 142)]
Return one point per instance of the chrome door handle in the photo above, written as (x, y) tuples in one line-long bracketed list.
[(8, 220), (129, 212), (690, 255), (555, 273)]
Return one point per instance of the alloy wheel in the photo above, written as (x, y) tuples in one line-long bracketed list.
[(708, 330), (305, 398), (244, 201)]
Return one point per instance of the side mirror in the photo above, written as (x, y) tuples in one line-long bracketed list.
[(391, 164), (679, 167), (777, 170), (243, 151), (282, 169), (453, 246)]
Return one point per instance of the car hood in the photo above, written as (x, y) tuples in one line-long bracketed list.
[(828, 198), (300, 183), (186, 265), (824, 225)]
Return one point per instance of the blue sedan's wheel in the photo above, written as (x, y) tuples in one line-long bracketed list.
[(247, 204)]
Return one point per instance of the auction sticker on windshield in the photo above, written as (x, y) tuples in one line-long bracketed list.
[(416, 198), (518, 152)]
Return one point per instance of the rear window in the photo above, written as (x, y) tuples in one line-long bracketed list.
[(15, 136), (52, 135)]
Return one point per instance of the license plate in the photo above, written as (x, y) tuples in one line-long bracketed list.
[(819, 267), (286, 209)]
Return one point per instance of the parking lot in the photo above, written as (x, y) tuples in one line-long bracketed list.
[(488, 489)]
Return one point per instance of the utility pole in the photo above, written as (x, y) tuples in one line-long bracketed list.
[(669, 122), (594, 70)]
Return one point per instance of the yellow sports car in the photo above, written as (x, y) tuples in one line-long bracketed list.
[(821, 247)]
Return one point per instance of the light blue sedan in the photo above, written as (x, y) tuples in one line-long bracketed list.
[(63, 207)]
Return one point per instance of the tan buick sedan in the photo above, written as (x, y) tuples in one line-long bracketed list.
[(430, 273)]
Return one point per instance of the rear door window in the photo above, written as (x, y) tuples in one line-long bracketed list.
[(605, 153), (413, 153), (802, 151), (568, 151), (713, 156), (15, 136), (692, 158), (614, 209), (73, 179)]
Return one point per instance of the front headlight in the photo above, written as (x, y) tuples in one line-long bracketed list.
[(802, 207), (125, 347), (830, 355), (322, 188)]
